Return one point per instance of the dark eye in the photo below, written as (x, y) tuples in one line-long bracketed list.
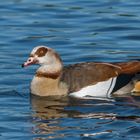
[(29, 60)]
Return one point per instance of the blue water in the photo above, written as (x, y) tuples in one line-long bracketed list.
[(80, 30)]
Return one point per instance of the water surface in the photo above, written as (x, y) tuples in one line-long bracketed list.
[(82, 30)]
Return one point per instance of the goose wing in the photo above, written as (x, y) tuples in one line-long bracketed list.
[(81, 75)]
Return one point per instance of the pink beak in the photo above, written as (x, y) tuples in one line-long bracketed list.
[(30, 61)]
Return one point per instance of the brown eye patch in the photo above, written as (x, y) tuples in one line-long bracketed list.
[(41, 52), (31, 55)]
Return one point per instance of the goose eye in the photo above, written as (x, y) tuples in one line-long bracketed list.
[(29, 60)]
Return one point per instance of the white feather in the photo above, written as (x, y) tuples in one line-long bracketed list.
[(101, 90)]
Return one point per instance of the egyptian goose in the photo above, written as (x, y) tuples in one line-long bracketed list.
[(80, 80)]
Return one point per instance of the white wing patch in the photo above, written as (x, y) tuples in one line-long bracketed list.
[(99, 90)]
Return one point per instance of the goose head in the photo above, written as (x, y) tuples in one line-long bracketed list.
[(46, 57)]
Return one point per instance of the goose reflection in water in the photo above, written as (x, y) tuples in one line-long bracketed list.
[(49, 112)]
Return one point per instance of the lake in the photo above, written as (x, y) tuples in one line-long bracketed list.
[(80, 30)]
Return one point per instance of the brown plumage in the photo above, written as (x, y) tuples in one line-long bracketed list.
[(129, 67), (84, 74), (48, 75)]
